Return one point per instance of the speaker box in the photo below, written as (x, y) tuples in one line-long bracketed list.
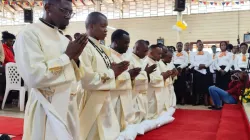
[(180, 5), (28, 15)]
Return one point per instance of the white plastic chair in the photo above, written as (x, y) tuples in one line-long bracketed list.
[(13, 82)]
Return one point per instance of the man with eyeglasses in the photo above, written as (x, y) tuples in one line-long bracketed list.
[(46, 60)]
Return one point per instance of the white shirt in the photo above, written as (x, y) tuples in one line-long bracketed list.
[(205, 59), (212, 66), (239, 63), (223, 61), (181, 60)]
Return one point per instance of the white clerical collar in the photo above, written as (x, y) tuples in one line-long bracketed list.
[(42, 21), (94, 40), (150, 59), (116, 53)]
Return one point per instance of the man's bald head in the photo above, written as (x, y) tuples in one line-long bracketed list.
[(141, 49), (94, 18)]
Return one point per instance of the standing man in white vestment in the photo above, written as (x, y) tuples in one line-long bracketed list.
[(140, 82), (156, 83), (121, 96), (98, 120), (46, 61)]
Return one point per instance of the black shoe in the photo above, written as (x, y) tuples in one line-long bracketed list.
[(214, 108), (5, 137), (211, 107)]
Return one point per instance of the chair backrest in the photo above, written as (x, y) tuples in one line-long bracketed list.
[(13, 78)]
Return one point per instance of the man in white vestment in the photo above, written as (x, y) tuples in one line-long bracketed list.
[(46, 61), (140, 82), (98, 120), (166, 66), (156, 83), (121, 96)]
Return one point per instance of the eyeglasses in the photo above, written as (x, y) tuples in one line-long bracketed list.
[(66, 12)]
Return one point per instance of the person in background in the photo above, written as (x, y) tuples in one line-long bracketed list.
[(76, 35), (201, 61), (236, 50), (180, 60), (8, 40), (2, 56), (223, 63), (211, 75), (241, 60), (229, 47), (147, 42), (230, 96), (235, 53), (69, 37)]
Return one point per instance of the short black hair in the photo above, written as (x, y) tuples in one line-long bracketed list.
[(230, 46), (223, 42), (53, 1), (6, 35), (93, 18), (213, 46), (154, 46), (179, 42), (118, 34), (198, 41), (147, 42), (140, 42), (243, 44)]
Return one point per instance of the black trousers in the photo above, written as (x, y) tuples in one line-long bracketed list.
[(222, 81), (200, 86), (180, 86)]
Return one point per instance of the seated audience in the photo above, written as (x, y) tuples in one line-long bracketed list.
[(8, 41), (230, 96)]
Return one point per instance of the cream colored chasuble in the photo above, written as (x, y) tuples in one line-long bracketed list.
[(98, 120), (121, 96), (39, 54), (155, 91), (140, 87), (168, 90)]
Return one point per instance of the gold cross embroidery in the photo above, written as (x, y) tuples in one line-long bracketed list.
[(105, 78)]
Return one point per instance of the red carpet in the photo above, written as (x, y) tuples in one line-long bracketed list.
[(188, 125), (229, 124), (11, 126)]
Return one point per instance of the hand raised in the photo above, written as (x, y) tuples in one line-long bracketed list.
[(76, 47), (134, 72), (150, 69)]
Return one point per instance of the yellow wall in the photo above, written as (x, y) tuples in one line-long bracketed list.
[(207, 27)]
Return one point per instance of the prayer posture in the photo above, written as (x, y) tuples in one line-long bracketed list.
[(46, 61), (241, 59), (156, 83), (166, 66), (98, 120), (121, 96), (140, 82), (223, 63)]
